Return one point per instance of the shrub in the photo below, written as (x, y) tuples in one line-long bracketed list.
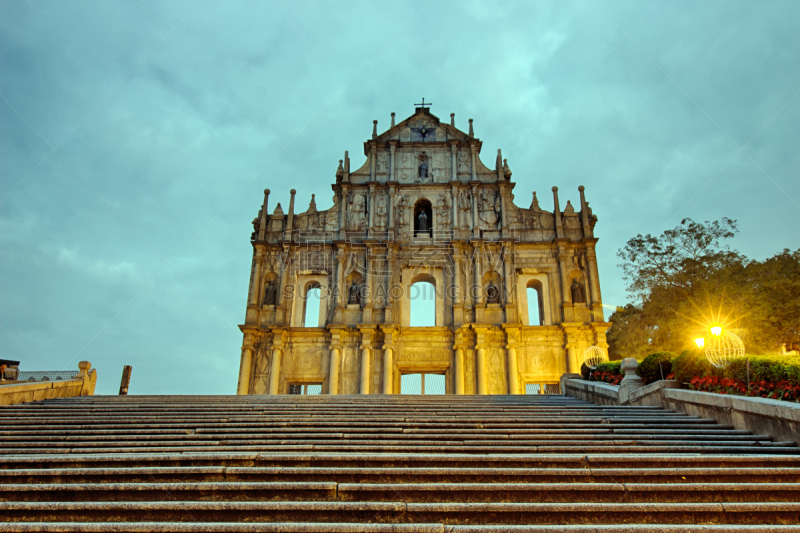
[(690, 364), (769, 368), (656, 366), (610, 367)]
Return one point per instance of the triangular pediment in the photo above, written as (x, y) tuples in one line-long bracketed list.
[(424, 126)]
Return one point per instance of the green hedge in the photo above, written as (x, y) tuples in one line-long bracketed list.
[(770, 368), (656, 366), (612, 367)]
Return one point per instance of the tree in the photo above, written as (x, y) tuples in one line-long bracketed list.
[(688, 279)]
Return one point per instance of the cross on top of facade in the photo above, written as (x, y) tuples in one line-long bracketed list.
[(423, 104)]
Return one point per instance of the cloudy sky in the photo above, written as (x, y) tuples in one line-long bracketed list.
[(137, 136)]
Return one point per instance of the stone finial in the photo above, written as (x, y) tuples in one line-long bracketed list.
[(83, 368), (535, 203), (569, 208), (312, 205), (471, 130), (374, 129), (453, 119), (392, 119)]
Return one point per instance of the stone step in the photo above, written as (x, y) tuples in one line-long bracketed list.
[(401, 512), (399, 475), (366, 527), (406, 492), (625, 448), (642, 462)]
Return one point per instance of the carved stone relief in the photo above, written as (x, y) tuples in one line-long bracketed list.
[(423, 354), (463, 162), (356, 212), (489, 209)]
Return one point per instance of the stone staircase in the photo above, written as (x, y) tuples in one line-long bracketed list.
[(385, 464)]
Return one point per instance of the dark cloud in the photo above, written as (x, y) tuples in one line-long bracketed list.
[(133, 248)]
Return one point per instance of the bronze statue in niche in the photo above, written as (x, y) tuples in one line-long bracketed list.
[(577, 292), (492, 294), (354, 296), (270, 294), (423, 218)]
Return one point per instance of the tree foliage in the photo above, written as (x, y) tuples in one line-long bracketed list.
[(688, 278)]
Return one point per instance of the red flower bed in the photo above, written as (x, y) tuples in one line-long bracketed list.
[(607, 377), (781, 390)]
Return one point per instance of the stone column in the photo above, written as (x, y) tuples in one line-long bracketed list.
[(587, 228), (458, 368), (256, 278), (473, 156), (392, 150), (476, 232), (454, 195), (557, 215), (262, 227), (373, 160), (594, 276), (477, 289), (370, 277), (572, 359), (566, 295), (366, 370), (285, 277), (457, 290), (482, 371), (503, 205), (390, 208), (275, 371), (333, 375), (244, 370), (343, 221), (340, 278), (290, 220), (513, 372), (388, 372), (453, 162), (371, 208)]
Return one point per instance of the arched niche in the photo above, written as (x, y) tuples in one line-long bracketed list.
[(423, 206), (412, 275), (306, 282), (540, 283)]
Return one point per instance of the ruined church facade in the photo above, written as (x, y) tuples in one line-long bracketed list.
[(423, 207)]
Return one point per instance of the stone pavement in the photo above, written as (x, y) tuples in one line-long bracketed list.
[(385, 463)]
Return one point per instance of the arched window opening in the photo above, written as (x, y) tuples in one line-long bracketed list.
[(422, 304), (535, 303), (423, 219), (311, 307)]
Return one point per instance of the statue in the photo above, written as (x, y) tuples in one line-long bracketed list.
[(339, 172), (354, 296), (492, 294), (423, 222), (506, 170), (423, 170), (578, 295), (270, 294), (256, 226)]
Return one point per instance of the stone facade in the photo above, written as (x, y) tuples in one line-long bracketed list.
[(423, 207)]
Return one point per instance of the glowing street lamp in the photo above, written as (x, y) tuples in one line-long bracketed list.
[(716, 331), (700, 342)]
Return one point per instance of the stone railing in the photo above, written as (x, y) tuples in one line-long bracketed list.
[(81, 384), (777, 418)]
